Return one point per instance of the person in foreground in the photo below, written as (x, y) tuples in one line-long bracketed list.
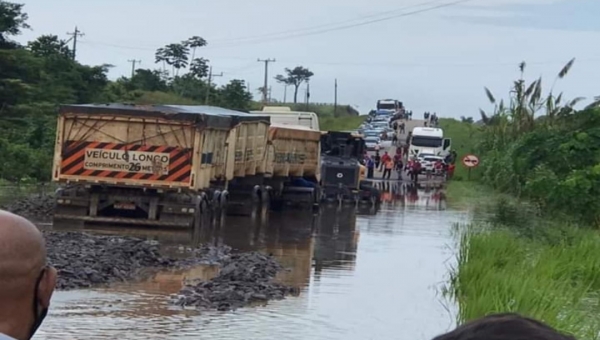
[(507, 326), (26, 280)]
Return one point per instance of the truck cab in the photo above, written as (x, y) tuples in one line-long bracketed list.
[(428, 140)]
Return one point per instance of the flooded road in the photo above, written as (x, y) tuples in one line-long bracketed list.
[(363, 275)]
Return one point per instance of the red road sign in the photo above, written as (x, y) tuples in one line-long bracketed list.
[(470, 161)]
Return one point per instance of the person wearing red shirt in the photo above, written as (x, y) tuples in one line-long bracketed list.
[(386, 157)]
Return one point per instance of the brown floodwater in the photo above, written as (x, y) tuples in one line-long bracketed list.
[(364, 274)]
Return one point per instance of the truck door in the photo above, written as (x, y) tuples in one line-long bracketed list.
[(447, 144)]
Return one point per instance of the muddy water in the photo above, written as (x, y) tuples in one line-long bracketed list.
[(364, 275)]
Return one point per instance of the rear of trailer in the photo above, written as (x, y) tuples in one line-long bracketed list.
[(137, 165)]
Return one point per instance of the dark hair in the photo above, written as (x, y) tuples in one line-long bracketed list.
[(506, 326)]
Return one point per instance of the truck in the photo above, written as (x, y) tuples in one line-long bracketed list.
[(167, 165), (428, 140), (285, 115), (159, 165), (342, 174), (388, 106)]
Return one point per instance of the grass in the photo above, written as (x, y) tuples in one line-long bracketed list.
[(464, 140), (557, 283), (341, 123), (519, 261)]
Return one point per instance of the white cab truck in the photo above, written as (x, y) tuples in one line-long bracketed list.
[(285, 116), (428, 140)]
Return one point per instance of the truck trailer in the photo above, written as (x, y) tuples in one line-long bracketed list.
[(151, 165)]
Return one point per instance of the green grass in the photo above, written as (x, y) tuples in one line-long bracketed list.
[(341, 123), (465, 137), (517, 260), (556, 282)]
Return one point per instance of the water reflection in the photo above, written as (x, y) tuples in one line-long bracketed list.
[(365, 274)]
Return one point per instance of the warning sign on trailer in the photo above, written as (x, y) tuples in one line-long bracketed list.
[(127, 161), (470, 161)]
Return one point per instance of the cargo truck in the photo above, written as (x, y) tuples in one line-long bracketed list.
[(342, 174), (151, 165)]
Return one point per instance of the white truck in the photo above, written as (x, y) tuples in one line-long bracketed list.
[(284, 115), (428, 140)]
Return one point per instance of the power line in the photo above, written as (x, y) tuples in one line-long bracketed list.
[(258, 40), (133, 62), (343, 27), (210, 76), (266, 35), (74, 36), (266, 85)]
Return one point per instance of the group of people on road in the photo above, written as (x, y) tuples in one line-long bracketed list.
[(384, 163), (431, 119), (411, 166)]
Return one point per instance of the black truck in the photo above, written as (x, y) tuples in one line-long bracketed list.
[(342, 174)]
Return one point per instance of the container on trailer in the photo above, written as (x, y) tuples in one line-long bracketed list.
[(294, 151), (147, 165), (138, 146)]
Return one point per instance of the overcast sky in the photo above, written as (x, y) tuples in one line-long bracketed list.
[(436, 60)]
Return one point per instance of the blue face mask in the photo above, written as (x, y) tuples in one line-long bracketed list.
[(38, 315)]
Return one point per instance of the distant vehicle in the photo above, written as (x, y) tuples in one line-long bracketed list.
[(381, 124), (285, 115), (390, 106), (372, 143), (371, 133), (379, 119), (428, 161), (428, 140)]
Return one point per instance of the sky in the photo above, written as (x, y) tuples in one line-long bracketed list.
[(429, 55)]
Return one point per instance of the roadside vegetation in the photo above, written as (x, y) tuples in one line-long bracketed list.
[(37, 77), (536, 249)]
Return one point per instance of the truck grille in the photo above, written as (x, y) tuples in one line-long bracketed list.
[(335, 175)]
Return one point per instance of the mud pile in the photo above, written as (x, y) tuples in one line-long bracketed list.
[(244, 279), (85, 260), (34, 206)]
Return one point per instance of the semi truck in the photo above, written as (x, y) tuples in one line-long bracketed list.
[(388, 106), (343, 177), (428, 140), (166, 165)]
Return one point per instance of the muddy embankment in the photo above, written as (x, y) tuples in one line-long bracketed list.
[(86, 260)]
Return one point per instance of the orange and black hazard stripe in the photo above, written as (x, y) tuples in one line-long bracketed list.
[(73, 158)]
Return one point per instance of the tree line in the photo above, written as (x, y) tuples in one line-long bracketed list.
[(38, 76)]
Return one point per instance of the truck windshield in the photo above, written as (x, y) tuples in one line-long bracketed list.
[(386, 106), (426, 142)]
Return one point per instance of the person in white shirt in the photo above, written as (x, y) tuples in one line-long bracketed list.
[(26, 280)]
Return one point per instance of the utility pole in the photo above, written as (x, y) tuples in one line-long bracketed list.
[(75, 34), (210, 76), (285, 86), (335, 99), (270, 91), (307, 93), (133, 62), (266, 85)]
